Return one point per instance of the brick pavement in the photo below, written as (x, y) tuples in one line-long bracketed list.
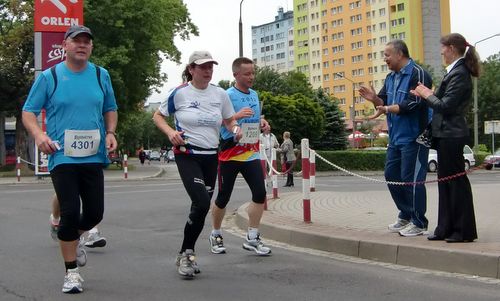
[(355, 224)]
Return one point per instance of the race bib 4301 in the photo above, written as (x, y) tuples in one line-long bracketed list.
[(78, 143)]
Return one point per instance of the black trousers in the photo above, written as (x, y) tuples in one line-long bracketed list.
[(456, 209), (198, 174), (73, 182), (289, 176), (251, 172)]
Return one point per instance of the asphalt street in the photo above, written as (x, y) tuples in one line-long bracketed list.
[(144, 222)]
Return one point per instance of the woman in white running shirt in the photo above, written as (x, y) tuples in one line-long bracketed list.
[(199, 109)]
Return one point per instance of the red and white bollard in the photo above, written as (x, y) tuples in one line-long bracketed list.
[(312, 160), (306, 201), (264, 169), (274, 176), (125, 166), (18, 169)]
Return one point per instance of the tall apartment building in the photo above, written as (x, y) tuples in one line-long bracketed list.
[(273, 44), (343, 48)]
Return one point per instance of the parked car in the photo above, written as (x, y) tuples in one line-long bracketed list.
[(154, 156), (115, 158), (491, 160), (168, 156), (469, 160)]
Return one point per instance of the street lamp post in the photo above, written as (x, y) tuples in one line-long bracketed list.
[(241, 32), (475, 109), (352, 108)]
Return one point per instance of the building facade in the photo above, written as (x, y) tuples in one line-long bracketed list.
[(273, 43), (339, 44)]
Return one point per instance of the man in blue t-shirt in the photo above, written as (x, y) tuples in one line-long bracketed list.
[(241, 157), (407, 117), (81, 121)]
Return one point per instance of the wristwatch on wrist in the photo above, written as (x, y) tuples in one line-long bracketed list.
[(111, 132)]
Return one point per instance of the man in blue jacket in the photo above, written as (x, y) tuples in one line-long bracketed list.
[(407, 117)]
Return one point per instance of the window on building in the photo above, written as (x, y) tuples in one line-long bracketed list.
[(382, 26), (381, 12), (401, 6)]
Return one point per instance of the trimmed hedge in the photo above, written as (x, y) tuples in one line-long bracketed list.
[(348, 159)]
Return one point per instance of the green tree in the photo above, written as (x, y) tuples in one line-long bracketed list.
[(297, 82), (302, 116), (132, 38), (488, 97), (334, 137), (267, 79), (16, 60), (138, 130), (225, 84)]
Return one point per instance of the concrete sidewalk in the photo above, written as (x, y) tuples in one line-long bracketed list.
[(355, 224), (139, 172)]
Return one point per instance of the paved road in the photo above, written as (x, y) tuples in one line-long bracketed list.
[(144, 222)]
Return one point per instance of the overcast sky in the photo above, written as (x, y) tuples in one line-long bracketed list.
[(217, 21)]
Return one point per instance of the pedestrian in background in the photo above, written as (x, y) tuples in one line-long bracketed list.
[(199, 109), (407, 117), (268, 141), (450, 102), (288, 153), (81, 122)]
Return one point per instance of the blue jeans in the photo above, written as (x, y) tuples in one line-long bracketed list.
[(408, 163)]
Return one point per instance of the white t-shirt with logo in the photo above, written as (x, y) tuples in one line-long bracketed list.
[(199, 113)]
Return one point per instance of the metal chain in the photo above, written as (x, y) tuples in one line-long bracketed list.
[(27, 162), (443, 179)]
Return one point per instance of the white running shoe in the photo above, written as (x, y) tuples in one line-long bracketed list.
[(193, 262), (81, 254), (185, 265), (216, 244), (257, 246), (412, 230), (399, 225), (95, 240), (72, 282)]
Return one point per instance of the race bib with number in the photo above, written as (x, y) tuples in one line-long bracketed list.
[(78, 143), (250, 133)]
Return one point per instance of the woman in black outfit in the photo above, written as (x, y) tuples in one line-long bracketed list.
[(450, 103)]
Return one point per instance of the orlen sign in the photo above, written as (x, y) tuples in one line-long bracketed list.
[(57, 15)]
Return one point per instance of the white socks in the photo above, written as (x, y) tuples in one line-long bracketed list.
[(216, 232), (252, 233)]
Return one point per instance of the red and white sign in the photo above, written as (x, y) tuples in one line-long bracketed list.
[(52, 51), (57, 15)]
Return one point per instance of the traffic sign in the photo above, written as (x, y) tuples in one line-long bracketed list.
[(57, 15)]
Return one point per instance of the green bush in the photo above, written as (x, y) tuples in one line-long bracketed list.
[(479, 156)]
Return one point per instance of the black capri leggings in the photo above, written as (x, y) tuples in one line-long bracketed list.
[(73, 182), (251, 172), (198, 174)]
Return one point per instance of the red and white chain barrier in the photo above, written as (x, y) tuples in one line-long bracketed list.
[(312, 161), (264, 169), (125, 166), (18, 169), (306, 191), (274, 175)]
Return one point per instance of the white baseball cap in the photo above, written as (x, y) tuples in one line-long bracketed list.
[(201, 57)]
